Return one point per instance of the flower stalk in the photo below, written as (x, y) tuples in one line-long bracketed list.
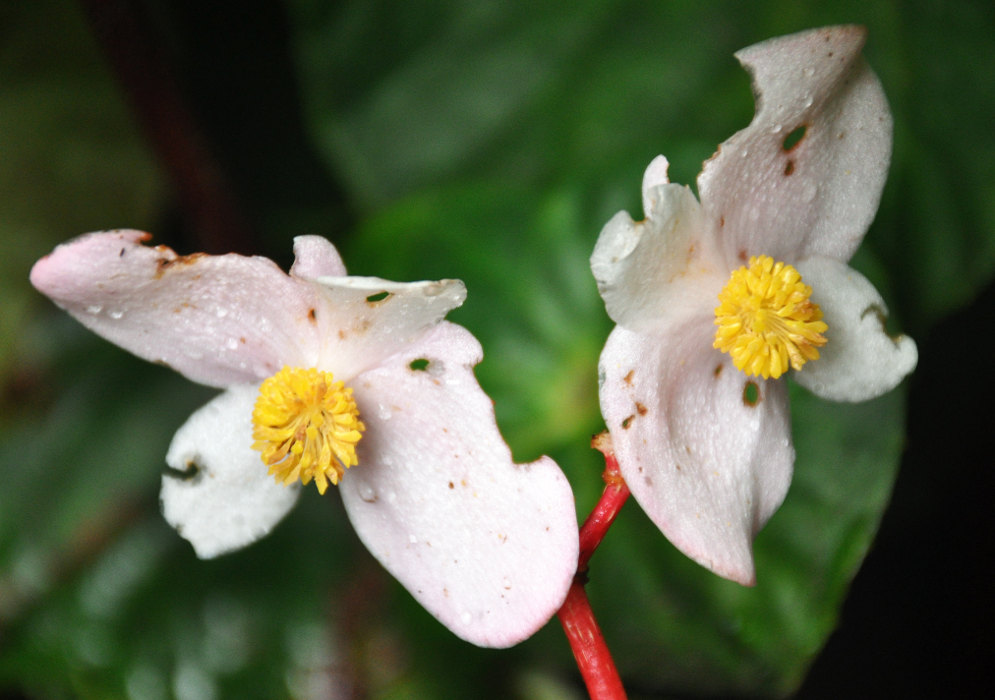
[(576, 616)]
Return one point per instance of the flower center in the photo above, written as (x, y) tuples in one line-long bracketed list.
[(766, 319), (306, 427)]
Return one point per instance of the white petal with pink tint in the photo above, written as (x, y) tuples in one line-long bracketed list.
[(363, 320), (315, 257), (218, 320), (816, 196), (708, 466), (219, 495), (643, 266), (860, 360), (486, 545)]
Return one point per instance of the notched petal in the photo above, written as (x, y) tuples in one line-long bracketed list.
[(860, 360), (217, 492), (805, 177)]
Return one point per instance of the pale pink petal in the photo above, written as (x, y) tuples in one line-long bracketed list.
[(487, 546), (654, 176), (316, 257), (860, 360), (217, 320), (219, 495), (818, 196), (708, 467), (644, 267), (363, 320)]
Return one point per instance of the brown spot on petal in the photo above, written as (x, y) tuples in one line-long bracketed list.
[(718, 370), (628, 378), (789, 167), (312, 316), (741, 254), (626, 422), (164, 264), (640, 409)]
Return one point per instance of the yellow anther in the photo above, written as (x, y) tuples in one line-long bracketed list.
[(306, 426), (766, 319)]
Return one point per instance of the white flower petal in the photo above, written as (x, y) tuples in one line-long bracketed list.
[(642, 266), (218, 320), (487, 546), (224, 499), (818, 196), (364, 320), (316, 257), (654, 176), (860, 360), (708, 467)]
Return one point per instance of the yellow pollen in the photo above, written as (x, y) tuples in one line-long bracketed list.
[(766, 319), (306, 426)]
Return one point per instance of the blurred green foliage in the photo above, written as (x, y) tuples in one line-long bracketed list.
[(482, 140)]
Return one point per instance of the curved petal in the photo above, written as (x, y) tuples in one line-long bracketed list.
[(364, 320), (315, 257), (708, 466), (218, 320), (860, 360), (220, 496), (640, 266), (487, 546), (789, 198)]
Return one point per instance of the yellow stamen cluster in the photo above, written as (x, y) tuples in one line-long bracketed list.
[(766, 319), (306, 425)]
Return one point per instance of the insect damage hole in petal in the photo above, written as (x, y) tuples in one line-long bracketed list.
[(231, 501)]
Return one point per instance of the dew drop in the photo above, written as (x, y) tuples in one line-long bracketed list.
[(744, 153), (221, 312), (776, 129), (232, 344), (367, 493), (506, 584), (94, 309), (383, 412), (412, 539), (809, 72), (117, 315), (466, 618)]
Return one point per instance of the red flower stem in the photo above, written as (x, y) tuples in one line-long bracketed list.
[(594, 660)]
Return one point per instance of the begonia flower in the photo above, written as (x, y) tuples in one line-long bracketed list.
[(355, 381), (714, 301)]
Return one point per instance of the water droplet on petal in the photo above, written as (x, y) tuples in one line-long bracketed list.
[(466, 618), (776, 129), (809, 72), (367, 493), (117, 315), (94, 309), (232, 343), (506, 584), (383, 412), (221, 312), (412, 539)]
